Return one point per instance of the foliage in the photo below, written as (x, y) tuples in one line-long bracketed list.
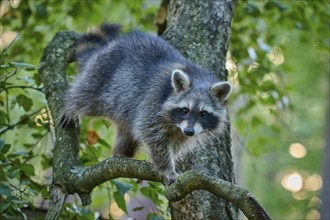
[(26, 133), (19, 182), (277, 62), (282, 78)]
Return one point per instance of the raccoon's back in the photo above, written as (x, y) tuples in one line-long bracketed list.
[(133, 70)]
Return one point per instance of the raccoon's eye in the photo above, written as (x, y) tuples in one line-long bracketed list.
[(204, 114), (185, 111)]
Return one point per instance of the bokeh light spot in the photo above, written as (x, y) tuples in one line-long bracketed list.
[(297, 150), (313, 182), (292, 182)]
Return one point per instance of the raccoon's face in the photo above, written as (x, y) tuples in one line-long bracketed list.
[(196, 109)]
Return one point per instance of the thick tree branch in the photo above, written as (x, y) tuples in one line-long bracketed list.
[(69, 176), (242, 198)]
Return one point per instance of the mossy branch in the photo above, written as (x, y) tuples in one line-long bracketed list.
[(69, 176)]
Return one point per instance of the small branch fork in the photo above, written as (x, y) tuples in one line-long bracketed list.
[(69, 176)]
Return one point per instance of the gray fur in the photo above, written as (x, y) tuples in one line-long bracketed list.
[(135, 80)]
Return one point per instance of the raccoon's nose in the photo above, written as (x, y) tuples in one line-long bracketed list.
[(189, 131)]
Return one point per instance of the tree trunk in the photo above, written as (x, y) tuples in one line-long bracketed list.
[(200, 30)]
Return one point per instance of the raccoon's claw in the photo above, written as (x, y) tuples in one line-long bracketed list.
[(67, 122)]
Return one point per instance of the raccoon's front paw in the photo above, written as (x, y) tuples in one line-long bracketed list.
[(171, 178), (67, 122)]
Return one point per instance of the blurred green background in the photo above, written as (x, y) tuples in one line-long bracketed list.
[(278, 62)]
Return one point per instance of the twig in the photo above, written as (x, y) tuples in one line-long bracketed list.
[(9, 75), (7, 108)]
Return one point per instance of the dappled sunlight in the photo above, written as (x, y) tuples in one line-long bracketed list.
[(276, 56), (115, 211), (232, 69), (231, 65), (271, 77), (7, 38), (253, 67)]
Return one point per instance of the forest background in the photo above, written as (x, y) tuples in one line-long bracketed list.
[(278, 62)]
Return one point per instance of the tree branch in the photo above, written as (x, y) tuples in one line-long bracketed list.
[(69, 176), (193, 180)]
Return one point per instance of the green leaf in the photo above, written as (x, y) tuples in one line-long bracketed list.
[(28, 146), (122, 187), (44, 193), (267, 85), (46, 161), (119, 195), (36, 77), (3, 114), (2, 143), (268, 100), (5, 190), (251, 9), (104, 143), (119, 198), (4, 206), (4, 148), (149, 193), (24, 102), (256, 121), (28, 169), (37, 135)]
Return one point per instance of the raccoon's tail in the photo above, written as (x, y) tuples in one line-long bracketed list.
[(92, 41)]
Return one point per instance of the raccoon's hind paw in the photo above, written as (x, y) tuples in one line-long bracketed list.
[(67, 122), (171, 178), (170, 181)]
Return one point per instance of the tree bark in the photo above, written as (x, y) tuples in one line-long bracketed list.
[(200, 30)]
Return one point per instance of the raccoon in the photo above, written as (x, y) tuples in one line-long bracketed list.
[(154, 96)]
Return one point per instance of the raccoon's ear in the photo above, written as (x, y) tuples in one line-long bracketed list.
[(221, 90), (180, 81)]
